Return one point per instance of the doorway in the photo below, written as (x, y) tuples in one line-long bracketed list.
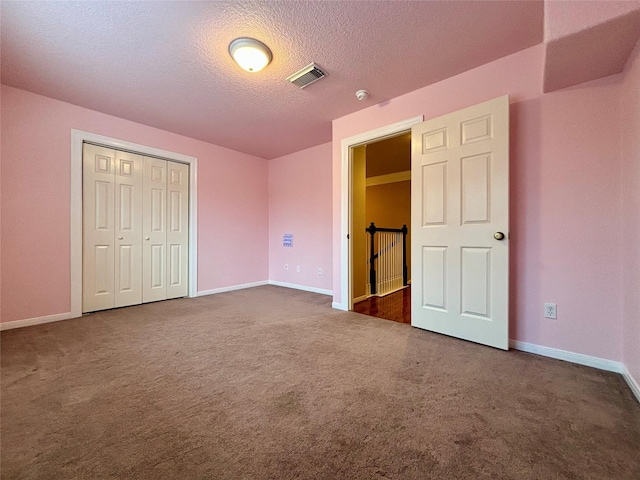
[(381, 226), (460, 220), (78, 138), (346, 209)]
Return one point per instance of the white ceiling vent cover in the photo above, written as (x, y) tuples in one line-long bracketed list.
[(306, 76)]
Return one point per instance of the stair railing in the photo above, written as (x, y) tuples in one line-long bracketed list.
[(391, 260)]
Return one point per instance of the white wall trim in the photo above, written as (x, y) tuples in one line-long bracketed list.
[(322, 291), (27, 322), (388, 178), (231, 288), (345, 198), (360, 298), (579, 358), (632, 382), (77, 138)]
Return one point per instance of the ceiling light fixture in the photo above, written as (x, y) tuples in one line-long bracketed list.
[(251, 54)]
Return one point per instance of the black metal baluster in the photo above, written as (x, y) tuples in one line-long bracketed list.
[(372, 270), (405, 273)]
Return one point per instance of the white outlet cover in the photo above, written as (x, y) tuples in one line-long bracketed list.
[(298, 269), (550, 310)]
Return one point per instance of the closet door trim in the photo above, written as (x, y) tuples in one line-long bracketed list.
[(78, 137)]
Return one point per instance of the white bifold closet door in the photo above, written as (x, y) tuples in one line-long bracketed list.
[(135, 227), (177, 229)]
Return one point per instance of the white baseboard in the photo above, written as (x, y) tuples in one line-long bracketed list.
[(589, 361), (322, 291), (632, 382), (580, 359), (27, 322), (231, 288), (339, 306), (361, 298)]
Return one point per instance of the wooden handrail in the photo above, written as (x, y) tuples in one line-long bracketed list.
[(372, 229)]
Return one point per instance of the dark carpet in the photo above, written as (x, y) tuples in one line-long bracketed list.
[(271, 383)]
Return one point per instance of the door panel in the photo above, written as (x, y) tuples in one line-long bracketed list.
[(476, 281), (103, 271), (434, 199), (128, 220), (459, 199), (157, 266), (98, 191), (157, 208), (125, 267), (434, 274), (154, 231), (178, 230), (476, 189)]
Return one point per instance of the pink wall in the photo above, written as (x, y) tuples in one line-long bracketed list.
[(587, 40), (35, 178), (630, 123), (566, 18), (300, 203), (565, 196)]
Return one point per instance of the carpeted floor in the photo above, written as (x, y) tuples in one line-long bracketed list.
[(271, 383)]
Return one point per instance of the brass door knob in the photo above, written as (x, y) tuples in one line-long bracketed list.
[(498, 236)]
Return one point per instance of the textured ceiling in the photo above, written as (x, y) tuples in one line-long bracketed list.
[(166, 64)]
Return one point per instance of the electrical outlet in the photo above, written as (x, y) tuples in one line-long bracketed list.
[(550, 310), (286, 266), (298, 269), (319, 270)]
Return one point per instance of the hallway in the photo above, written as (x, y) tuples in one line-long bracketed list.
[(395, 306)]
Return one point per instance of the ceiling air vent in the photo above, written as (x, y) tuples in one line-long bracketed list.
[(306, 76)]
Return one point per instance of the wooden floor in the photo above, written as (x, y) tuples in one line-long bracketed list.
[(395, 306)]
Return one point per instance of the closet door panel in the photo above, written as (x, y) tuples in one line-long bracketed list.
[(154, 230), (128, 222), (178, 230), (98, 224)]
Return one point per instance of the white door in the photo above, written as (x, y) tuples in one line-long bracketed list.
[(135, 229), (177, 229), (459, 210), (128, 229), (98, 193), (154, 230)]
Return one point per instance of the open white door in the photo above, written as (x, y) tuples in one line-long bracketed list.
[(459, 212)]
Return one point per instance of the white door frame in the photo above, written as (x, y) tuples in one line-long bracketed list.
[(77, 139), (346, 199)]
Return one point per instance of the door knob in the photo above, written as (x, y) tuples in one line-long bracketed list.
[(147, 238), (498, 236), (120, 238)]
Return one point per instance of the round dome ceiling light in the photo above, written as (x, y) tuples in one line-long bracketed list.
[(251, 54)]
